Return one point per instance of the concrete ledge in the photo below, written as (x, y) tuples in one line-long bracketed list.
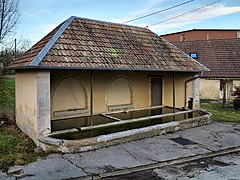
[(81, 145)]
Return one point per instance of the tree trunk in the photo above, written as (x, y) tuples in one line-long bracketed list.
[(224, 93)]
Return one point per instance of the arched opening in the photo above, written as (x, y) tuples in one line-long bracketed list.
[(120, 94), (69, 98)]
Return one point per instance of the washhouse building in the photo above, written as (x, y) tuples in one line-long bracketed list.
[(86, 67)]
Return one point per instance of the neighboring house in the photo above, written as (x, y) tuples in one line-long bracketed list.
[(222, 57), (202, 34), (85, 66)]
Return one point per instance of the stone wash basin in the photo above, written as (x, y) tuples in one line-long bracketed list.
[(102, 130)]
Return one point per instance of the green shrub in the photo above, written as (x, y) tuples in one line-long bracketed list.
[(236, 103)]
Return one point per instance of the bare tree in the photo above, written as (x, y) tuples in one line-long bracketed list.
[(9, 15), (23, 45)]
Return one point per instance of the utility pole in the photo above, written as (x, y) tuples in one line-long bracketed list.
[(15, 49)]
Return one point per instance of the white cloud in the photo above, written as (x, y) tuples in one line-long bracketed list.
[(149, 7), (37, 14), (154, 2), (164, 27), (210, 12), (121, 20), (47, 28), (196, 17)]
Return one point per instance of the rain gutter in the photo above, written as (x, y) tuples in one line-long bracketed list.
[(98, 68), (91, 98), (174, 95)]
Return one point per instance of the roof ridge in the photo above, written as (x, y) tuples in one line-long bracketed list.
[(204, 29), (36, 61), (209, 40), (113, 23)]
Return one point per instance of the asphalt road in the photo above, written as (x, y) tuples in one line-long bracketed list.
[(107, 162), (226, 167)]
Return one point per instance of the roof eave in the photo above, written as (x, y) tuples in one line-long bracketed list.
[(99, 69), (220, 77)]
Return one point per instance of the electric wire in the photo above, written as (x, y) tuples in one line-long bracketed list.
[(172, 7), (189, 12)]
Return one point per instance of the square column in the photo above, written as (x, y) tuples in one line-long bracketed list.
[(43, 102)]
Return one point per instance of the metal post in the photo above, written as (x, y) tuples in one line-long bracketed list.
[(224, 93), (15, 49), (174, 98), (91, 98)]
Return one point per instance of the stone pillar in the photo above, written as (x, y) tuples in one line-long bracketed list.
[(43, 102), (195, 93), (229, 89)]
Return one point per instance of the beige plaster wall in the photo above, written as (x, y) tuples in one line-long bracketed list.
[(69, 94), (236, 82), (180, 79), (120, 92), (26, 102), (33, 102), (105, 81), (210, 89)]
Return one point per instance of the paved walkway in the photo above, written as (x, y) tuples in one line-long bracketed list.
[(181, 144)]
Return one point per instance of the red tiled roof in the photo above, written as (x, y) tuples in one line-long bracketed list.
[(80, 43), (199, 30), (221, 56)]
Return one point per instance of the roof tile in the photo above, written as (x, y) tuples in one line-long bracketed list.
[(221, 56), (93, 44)]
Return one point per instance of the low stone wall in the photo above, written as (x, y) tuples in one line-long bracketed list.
[(81, 145)]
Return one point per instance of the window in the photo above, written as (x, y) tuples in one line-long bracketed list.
[(193, 55)]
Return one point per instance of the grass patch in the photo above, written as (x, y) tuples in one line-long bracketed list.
[(218, 112), (8, 94), (15, 147)]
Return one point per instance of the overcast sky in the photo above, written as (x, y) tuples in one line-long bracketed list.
[(39, 17)]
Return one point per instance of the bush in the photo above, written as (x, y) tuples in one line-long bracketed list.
[(236, 103), (236, 93)]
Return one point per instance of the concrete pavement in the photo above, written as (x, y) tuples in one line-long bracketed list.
[(182, 144)]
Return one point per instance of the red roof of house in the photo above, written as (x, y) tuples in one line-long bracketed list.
[(199, 30), (80, 43), (221, 56)]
